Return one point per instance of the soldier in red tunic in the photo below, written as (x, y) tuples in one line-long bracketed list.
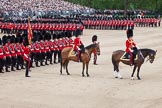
[(70, 40), (26, 57), (51, 46), (18, 53), (42, 49), (37, 50), (13, 53), (94, 40), (6, 53), (130, 46), (60, 45), (56, 47), (78, 45), (22, 47), (47, 49)]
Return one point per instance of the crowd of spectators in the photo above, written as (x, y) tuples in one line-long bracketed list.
[(35, 7)]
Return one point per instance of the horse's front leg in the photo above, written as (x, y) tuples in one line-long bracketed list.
[(83, 69), (134, 69), (87, 64), (138, 72)]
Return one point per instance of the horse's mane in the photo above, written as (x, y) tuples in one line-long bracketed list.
[(90, 46), (147, 50)]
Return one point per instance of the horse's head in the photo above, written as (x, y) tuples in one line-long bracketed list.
[(152, 55), (98, 48)]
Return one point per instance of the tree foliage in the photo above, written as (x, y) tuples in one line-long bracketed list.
[(152, 5)]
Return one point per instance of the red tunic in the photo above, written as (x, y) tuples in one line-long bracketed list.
[(129, 44), (42, 46), (47, 49), (50, 43), (1, 53), (6, 51), (77, 43), (26, 56), (12, 50), (36, 48), (70, 42), (17, 49), (55, 43), (60, 44)]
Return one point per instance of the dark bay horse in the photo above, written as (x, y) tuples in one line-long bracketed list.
[(67, 55), (141, 55)]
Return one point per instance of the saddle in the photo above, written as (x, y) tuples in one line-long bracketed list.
[(75, 53), (126, 57)]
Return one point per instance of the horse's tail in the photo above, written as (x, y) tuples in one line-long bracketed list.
[(114, 63)]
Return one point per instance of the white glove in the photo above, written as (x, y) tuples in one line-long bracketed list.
[(131, 50)]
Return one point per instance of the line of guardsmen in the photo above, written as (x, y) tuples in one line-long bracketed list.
[(9, 27), (147, 22), (44, 50), (120, 24), (112, 24)]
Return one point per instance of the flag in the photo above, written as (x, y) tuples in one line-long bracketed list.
[(29, 31)]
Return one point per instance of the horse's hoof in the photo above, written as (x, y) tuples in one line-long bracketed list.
[(88, 76), (120, 77), (132, 78), (83, 75), (116, 77), (139, 78), (68, 73)]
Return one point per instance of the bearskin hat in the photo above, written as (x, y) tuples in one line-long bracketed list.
[(12, 39), (129, 33), (94, 38), (8, 38), (69, 34), (25, 41), (49, 37), (4, 39), (78, 32), (16, 39), (21, 39), (58, 36)]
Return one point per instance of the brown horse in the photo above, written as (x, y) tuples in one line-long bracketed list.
[(141, 55), (67, 55)]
